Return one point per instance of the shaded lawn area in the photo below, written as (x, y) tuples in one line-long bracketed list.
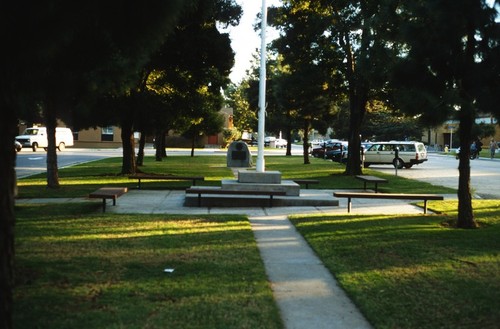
[(414, 271), (78, 268), (82, 179)]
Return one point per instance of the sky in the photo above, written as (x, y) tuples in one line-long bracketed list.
[(244, 40)]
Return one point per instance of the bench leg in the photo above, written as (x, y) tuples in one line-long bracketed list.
[(425, 206), (103, 204), (348, 205), (114, 201), (139, 184), (271, 201), (199, 199), (376, 187)]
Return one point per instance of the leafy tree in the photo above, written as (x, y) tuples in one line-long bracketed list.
[(364, 57), (304, 85), (193, 65), (383, 124), (450, 73), (343, 39), (209, 123), (245, 118)]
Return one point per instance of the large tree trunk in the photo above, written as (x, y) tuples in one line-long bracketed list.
[(160, 152), (51, 124), (140, 154), (353, 166), (288, 137), (159, 146), (357, 108), (307, 126), (465, 213), (8, 130), (467, 116), (128, 163)]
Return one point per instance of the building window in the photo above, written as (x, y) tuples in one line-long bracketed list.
[(107, 134)]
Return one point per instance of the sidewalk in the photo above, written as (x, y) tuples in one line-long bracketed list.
[(307, 294)]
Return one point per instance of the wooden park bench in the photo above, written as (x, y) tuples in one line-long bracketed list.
[(142, 176), (307, 182), (366, 195), (371, 179), (217, 190), (105, 193)]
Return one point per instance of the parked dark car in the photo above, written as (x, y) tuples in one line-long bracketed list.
[(336, 150), (338, 153), (330, 145)]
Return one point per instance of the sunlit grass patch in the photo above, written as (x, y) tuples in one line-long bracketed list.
[(76, 268), (411, 271)]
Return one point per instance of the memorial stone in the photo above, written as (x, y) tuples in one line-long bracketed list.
[(238, 155)]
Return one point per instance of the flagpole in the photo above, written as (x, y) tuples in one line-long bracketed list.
[(262, 91)]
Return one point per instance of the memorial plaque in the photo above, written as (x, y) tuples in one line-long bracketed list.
[(238, 155)]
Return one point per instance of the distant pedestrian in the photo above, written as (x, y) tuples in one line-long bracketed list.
[(479, 147), (473, 150), (493, 148)]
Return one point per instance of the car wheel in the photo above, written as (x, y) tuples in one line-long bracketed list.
[(34, 147), (366, 164), (398, 163), (61, 147)]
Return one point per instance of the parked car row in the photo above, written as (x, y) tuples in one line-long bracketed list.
[(401, 154)]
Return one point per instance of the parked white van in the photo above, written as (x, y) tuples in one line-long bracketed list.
[(409, 154), (36, 137)]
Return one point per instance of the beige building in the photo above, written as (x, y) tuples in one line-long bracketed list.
[(446, 134), (110, 137)]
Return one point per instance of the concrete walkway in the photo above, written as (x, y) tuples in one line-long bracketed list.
[(307, 294)]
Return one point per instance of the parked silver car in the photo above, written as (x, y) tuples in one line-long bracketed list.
[(408, 154)]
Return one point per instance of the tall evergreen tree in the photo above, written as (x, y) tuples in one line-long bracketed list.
[(449, 68)]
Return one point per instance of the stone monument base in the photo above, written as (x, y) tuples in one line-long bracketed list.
[(252, 176), (289, 187)]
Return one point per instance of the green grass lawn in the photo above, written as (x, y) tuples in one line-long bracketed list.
[(79, 180), (413, 271), (78, 268)]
